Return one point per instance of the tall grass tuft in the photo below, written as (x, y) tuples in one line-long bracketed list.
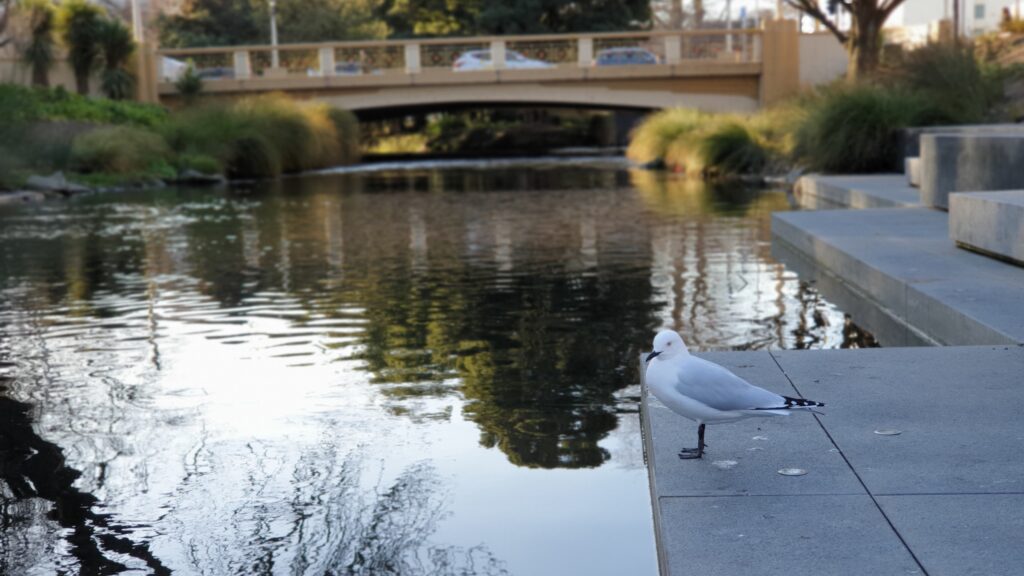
[(119, 150), (728, 147), (953, 80), (857, 129), (652, 139)]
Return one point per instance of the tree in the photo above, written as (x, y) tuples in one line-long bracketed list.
[(116, 47), (329, 20), (563, 16), (863, 40), (5, 17), (409, 18), (79, 22), (38, 51), (215, 23)]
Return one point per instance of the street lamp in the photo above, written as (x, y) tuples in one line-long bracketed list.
[(274, 62)]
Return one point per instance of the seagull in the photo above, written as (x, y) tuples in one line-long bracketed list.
[(708, 393)]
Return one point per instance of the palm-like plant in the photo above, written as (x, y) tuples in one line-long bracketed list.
[(38, 51), (116, 48), (80, 23)]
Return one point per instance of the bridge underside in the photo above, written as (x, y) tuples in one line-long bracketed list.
[(712, 87)]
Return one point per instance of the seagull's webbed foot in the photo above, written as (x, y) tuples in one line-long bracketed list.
[(690, 453)]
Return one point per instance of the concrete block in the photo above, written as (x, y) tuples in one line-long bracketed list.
[(780, 535), (957, 410), (912, 136), (820, 192), (912, 170), (968, 163), (989, 222), (903, 261), (961, 534)]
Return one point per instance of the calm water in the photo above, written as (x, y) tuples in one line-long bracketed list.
[(397, 372)]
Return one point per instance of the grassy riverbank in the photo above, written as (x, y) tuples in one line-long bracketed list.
[(838, 128), (99, 141)]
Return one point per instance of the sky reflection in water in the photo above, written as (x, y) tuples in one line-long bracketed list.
[(422, 372)]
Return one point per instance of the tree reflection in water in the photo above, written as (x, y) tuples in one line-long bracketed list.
[(518, 300)]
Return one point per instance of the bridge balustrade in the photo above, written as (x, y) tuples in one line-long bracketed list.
[(370, 62)]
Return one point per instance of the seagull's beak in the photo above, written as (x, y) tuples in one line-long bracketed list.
[(652, 356)]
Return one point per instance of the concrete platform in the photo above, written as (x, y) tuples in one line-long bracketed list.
[(969, 163), (990, 222), (820, 192), (912, 170), (903, 261), (943, 497)]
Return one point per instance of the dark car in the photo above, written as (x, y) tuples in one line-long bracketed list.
[(624, 57)]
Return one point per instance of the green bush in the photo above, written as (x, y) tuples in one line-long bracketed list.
[(120, 150), (858, 129), (952, 80), (252, 156), (652, 139), (347, 127), (79, 22), (116, 46), (729, 147), (189, 85), (199, 162)]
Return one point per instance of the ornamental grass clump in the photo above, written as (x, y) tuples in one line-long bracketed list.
[(652, 139), (727, 147), (857, 129), (120, 150), (960, 87)]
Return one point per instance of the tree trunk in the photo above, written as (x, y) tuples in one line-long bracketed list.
[(82, 84), (40, 76), (864, 45)]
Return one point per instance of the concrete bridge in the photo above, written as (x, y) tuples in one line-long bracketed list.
[(736, 70)]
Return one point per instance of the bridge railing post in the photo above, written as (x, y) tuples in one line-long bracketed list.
[(412, 58), (585, 52), (327, 61), (498, 54), (673, 49), (243, 66)]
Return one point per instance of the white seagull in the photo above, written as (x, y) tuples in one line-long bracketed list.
[(706, 392)]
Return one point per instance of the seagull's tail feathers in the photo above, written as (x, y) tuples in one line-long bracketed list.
[(790, 404)]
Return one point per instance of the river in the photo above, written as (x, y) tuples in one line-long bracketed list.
[(423, 369)]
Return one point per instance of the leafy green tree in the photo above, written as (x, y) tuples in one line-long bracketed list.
[(116, 47), (411, 18), (80, 23), (562, 16), (38, 51), (328, 20), (215, 23)]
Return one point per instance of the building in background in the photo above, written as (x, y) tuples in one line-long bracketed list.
[(976, 16)]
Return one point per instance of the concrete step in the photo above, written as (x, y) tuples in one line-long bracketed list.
[(989, 222), (969, 163), (912, 169), (903, 260), (821, 192)]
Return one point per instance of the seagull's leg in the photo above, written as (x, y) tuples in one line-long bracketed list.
[(691, 453)]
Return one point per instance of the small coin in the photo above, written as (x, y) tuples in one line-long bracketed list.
[(792, 471), (888, 432)]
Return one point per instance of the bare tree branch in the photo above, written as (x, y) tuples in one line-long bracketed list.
[(814, 11)]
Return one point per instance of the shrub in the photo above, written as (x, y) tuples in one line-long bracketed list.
[(728, 147), (119, 149), (953, 80), (79, 22), (199, 162), (857, 129), (347, 127), (189, 85), (252, 156), (38, 52), (116, 46), (652, 139)]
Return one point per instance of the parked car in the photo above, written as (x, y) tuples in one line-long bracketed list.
[(217, 73), (481, 60), (624, 57)]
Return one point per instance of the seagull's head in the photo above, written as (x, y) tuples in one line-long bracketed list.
[(667, 343)]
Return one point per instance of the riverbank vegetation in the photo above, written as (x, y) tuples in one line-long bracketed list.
[(98, 140), (844, 127)]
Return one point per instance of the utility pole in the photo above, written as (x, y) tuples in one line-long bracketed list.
[(274, 61)]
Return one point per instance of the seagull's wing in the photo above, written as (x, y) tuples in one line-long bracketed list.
[(718, 388)]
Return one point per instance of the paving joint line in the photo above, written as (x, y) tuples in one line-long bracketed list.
[(854, 470)]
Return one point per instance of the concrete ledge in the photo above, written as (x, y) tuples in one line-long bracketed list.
[(969, 162), (989, 222), (912, 136), (912, 169), (944, 497), (820, 192), (903, 261)]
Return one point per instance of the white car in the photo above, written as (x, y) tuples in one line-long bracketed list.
[(481, 60)]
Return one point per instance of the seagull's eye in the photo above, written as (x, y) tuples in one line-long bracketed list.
[(669, 343)]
